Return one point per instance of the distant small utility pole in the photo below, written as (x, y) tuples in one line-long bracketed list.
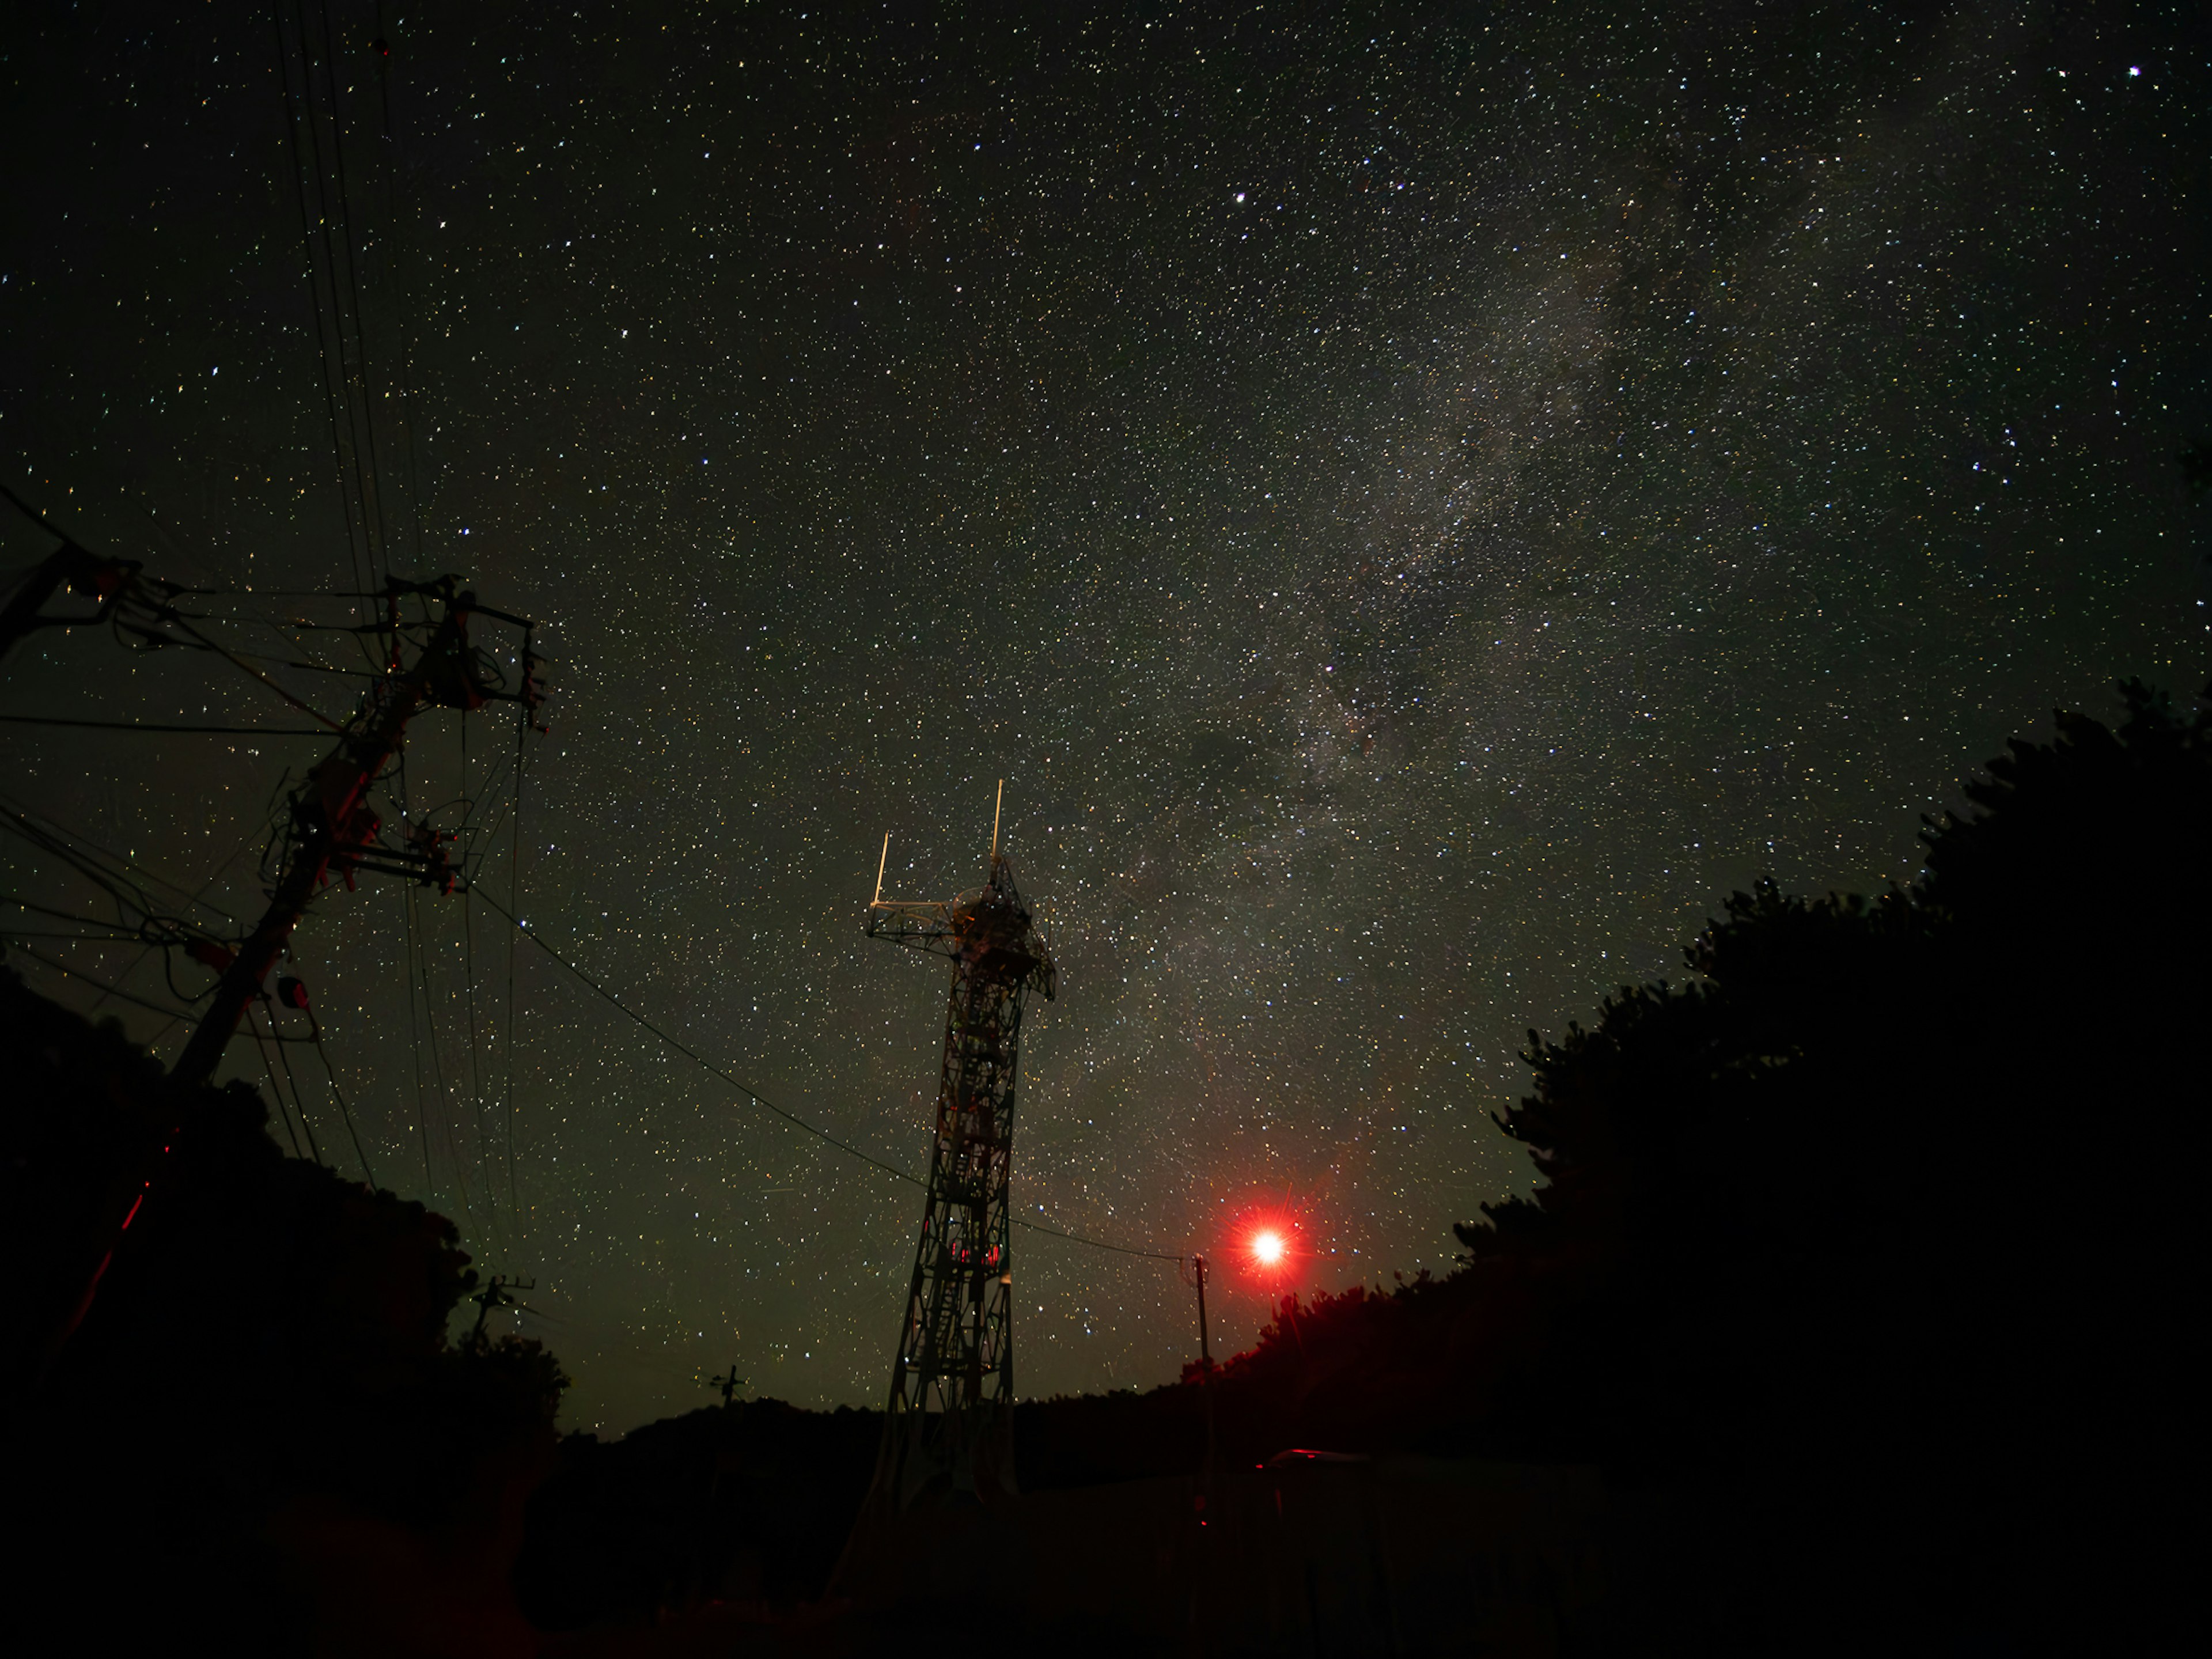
[(1196, 1276), (728, 1384), (494, 1295)]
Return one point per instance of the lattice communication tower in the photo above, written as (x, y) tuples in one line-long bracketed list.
[(948, 1431)]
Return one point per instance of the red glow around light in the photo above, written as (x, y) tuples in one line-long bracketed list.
[(1268, 1248)]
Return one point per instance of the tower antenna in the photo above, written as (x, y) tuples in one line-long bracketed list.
[(948, 1431), (998, 808)]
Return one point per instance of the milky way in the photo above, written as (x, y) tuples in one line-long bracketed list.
[(1417, 504)]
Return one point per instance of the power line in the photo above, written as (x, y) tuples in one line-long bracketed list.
[(177, 592), (513, 886), (315, 1035), (283, 1111), (156, 726), (299, 1101), (692, 1055), (336, 381), (1095, 1243), (414, 1045), (199, 897), (468, 980), (247, 668), (388, 156), (793, 1118), (314, 290), (350, 302), (94, 938), (445, 1096), (63, 968), (54, 837)]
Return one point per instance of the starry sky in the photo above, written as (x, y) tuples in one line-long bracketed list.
[(1416, 502)]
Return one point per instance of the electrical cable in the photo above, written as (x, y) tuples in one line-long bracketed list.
[(200, 898), (314, 295), (345, 1112), (124, 895), (71, 915), (63, 968), (513, 902), (419, 980), (254, 1026), (244, 667), (299, 1100), (1095, 1243), (445, 1096), (791, 1118), (177, 592), (352, 297), (743, 1088), (152, 726), (469, 984), (95, 938), (53, 836), (414, 1045), (363, 488), (392, 270)]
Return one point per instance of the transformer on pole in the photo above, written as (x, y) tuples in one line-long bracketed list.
[(948, 1430)]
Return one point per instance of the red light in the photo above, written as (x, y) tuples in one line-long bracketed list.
[(1268, 1248)]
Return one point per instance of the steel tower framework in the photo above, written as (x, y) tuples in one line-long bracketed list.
[(949, 1426)]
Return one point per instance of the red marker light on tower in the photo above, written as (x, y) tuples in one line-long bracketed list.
[(1268, 1248)]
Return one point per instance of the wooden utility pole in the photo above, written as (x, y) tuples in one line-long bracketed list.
[(331, 825), (1205, 1359), (330, 818), (494, 1295)]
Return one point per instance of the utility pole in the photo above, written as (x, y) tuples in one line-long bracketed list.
[(728, 1384), (494, 1295), (332, 828), (1197, 1276), (332, 824)]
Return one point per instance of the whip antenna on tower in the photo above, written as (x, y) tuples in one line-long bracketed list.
[(948, 1430)]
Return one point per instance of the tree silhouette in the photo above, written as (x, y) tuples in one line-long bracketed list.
[(266, 1381), (1904, 1196)]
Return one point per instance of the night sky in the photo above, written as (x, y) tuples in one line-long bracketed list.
[(1418, 503)]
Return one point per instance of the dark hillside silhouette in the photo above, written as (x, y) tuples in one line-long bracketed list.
[(751, 1501), (1865, 1262), (261, 1422)]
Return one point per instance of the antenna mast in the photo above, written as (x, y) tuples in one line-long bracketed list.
[(949, 1427)]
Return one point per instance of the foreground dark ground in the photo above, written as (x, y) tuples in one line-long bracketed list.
[(1876, 1248)]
